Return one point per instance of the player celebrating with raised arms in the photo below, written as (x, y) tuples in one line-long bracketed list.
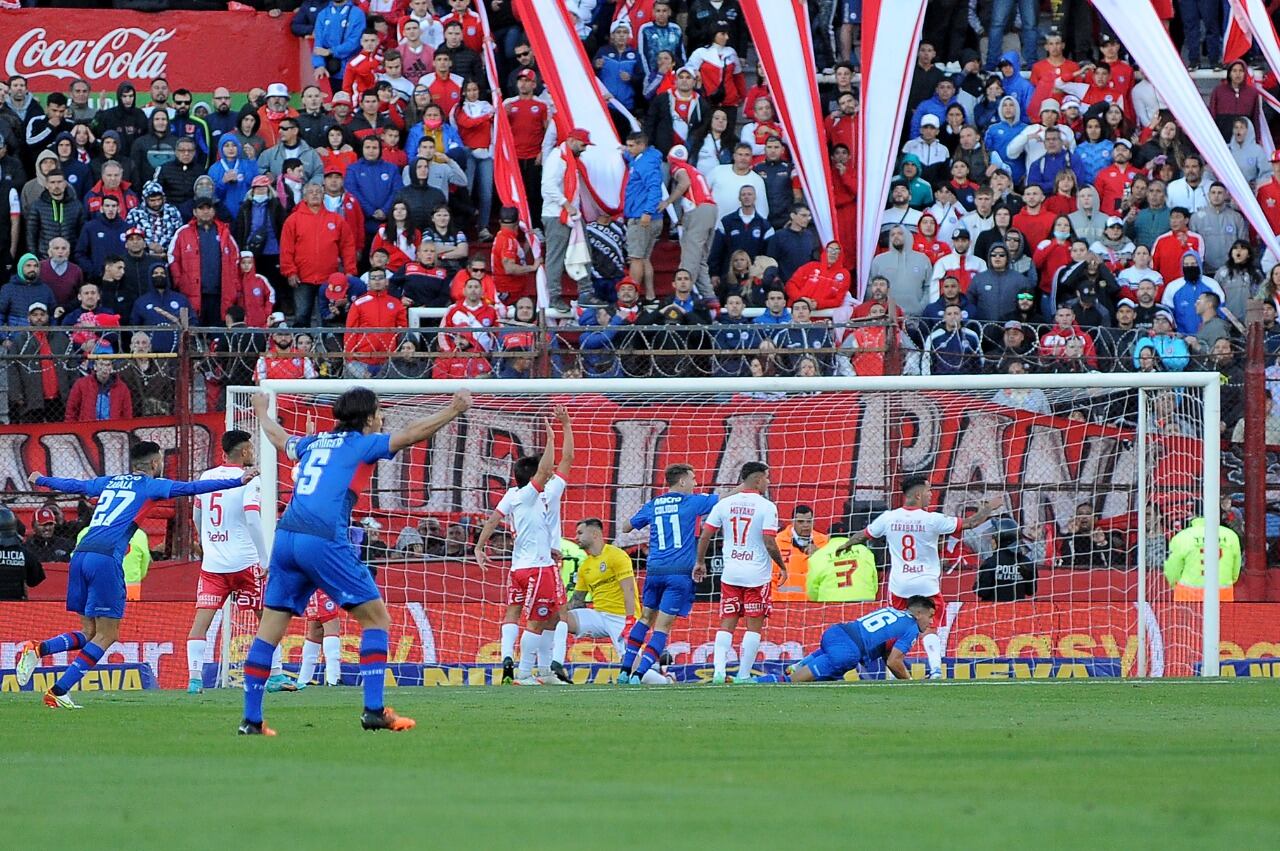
[(95, 584), (886, 634), (534, 588), (672, 520), (312, 548), (912, 532), (232, 552), (750, 522)]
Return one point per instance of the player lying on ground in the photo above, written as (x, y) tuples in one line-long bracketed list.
[(750, 522), (912, 533), (534, 588), (232, 553), (312, 550), (95, 583), (886, 634), (672, 520)]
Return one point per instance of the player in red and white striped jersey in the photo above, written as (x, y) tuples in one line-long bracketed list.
[(749, 551), (232, 554), (912, 533)]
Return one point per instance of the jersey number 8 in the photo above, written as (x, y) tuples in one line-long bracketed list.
[(311, 470)]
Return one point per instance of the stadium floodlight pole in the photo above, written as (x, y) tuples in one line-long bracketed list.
[(1212, 514), (1142, 667)]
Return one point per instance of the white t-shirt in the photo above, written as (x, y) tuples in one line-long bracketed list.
[(224, 528), (526, 510), (745, 518), (912, 535)]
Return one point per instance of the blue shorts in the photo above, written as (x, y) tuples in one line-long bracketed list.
[(853, 11), (839, 654), (301, 563), (669, 593), (95, 586)]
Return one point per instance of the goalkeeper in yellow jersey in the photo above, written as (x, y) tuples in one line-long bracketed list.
[(606, 575)]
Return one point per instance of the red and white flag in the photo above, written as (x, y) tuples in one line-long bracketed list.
[(1237, 35)]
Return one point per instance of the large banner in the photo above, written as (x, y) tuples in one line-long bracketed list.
[(458, 644), (195, 50)]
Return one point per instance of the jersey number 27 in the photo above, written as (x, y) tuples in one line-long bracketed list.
[(111, 505)]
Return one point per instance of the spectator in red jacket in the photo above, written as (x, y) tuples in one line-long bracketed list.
[(470, 314), (251, 292), (112, 184), (477, 270), (824, 282), (203, 261), (368, 351), (1053, 345), (313, 244), (99, 396)]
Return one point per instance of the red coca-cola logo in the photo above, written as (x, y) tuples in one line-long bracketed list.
[(124, 53)]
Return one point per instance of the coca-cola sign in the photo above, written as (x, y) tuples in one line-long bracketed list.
[(109, 48), (124, 53)]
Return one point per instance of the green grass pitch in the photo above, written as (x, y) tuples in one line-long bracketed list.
[(1093, 765)]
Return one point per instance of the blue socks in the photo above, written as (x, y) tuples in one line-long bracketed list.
[(373, 667), (257, 669), (635, 640), (80, 666), (657, 643), (63, 643)]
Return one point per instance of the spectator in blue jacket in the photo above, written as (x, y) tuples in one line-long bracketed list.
[(796, 244), (232, 174), (952, 348), (598, 354), (1044, 171), (641, 208), (944, 94), (162, 305), (734, 333), (1180, 295), (374, 182), (303, 22), (618, 64), (775, 310), (100, 238), (337, 33), (742, 230), (1010, 67), (998, 136), (1164, 342)]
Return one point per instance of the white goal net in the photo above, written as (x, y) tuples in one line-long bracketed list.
[(1095, 472)]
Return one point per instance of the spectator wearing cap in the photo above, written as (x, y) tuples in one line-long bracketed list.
[(156, 218), (336, 298), (289, 146), (41, 374), (100, 395), (45, 544), (282, 359), (693, 193), (618, 64), (719, 68), (1114, 180), (1115, 343), (560, 208), (1191, 190), (314, 243), (511, 258), (102, 237), (1169, 248), (1092, 295), (1115, 249), (1220, 227), (994, 292), (337, 31), (907, 272), (367, 351), (1031, 142), (203, 261), (928, 153), (1015, 341), (1169, 349), (960, 262), (675, 117)]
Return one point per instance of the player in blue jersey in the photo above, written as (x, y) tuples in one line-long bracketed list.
[(95, 583), (312, 549), (672, 520), (886, 634)]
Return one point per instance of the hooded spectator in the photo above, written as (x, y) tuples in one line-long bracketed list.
[(232, 174), (153, 150), (156, 218), (907, 271), (825, 282), (160, 305), (993, 293), (1180, 295), (125, 119)]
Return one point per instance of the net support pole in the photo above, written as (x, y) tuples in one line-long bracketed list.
[(1142, 532), (1212, 513), (268, 466)]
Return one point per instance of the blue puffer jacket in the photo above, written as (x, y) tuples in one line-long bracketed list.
[(374, 185), (999, 135), (232, 194)]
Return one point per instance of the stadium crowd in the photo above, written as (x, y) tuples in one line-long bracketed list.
[(1046, 214)]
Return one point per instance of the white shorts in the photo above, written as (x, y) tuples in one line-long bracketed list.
[(593, 624)]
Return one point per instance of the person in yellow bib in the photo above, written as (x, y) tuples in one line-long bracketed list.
[(606, 575), (1184, 567), (841, 571)]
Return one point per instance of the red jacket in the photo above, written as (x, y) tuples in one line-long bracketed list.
[(399, 253), (313, 245), (476, 131), (374, 310), (82, 403), (474, 339), (252, 292), (184, 260), (355, 219), (1167, 251), (487, 284), (1050, 256), (824, 284), (123, 193), (1054, 343)]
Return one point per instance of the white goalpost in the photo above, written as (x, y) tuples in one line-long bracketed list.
[(1120, 460)]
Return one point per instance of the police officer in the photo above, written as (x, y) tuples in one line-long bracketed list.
[(1007, 574), (19, 569)]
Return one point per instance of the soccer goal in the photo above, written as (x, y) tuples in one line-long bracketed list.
[(1096, 471)]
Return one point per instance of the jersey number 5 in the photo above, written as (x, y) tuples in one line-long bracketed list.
[(740, 525), (311, 470)]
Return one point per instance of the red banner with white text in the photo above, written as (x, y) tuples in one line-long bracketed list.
[(194, 50)]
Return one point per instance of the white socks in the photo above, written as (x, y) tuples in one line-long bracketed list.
[(277, 667), (332, 659), (724, 643), (750, 649), (933, 649), (195, 657), (529, 643), (307, 668), (561, 644), (510, 632), (546, 650)]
